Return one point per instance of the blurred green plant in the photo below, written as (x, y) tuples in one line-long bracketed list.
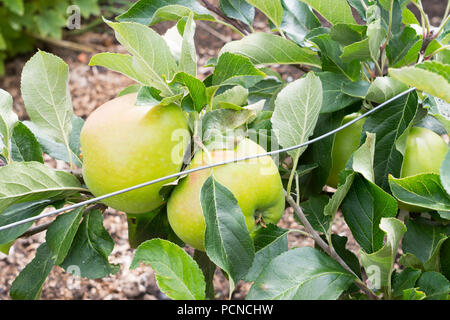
[(24, 21)]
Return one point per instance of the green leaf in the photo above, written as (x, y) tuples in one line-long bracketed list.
[(384, 88), (18, 212), (376, 35), (404, 280), (339, 244), (90, 248), (269, 243), (208, 268), (424, 241), (8, 119), (411, 261), (33, 181), (333, 97), (151, 55), (331, 57), (384, 258), (408, 17), (298, 20), (237, 96), (297, 109), (356, 51), (335, 11), (360, 6), (424, 190), (425, 77), (150, 12), (88, 7), (363, 208), (177, 274), (266, 89), (48, 102), (234, 69), (392, 18), (16, 6), (148, 96), (74, 136), (188, 57), (118, 62), (130, 89), (264, 48), (436, 67), (227, 240), (304, 169), (50, 23), (238, 9), (60, 234), (24, 145), (28, 284), (389, 124), (301, 274), (444, 257), (197, 89), (445, 172), (271, 8), (336, 199), (2, 45), (218, 123), (435, 285), (55, 149), (346, 34), (362, 160), (314, 211), (439, 109), (411, 55), (401, 44), (413, 294)]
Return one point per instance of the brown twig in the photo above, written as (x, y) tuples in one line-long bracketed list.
[(328, 249)]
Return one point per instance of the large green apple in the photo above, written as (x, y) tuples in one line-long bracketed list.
[(124, 145), (345, 143), (424, 153), (256, 185)]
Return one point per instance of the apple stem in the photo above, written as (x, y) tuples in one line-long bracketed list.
[(328, 249)]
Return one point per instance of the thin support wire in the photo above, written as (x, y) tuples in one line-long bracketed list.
[(181, 173)]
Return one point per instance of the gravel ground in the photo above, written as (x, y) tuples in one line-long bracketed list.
[(90, 87)]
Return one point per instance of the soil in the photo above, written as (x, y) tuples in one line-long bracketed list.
[(90, 87)]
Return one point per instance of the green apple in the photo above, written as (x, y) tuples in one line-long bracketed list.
[(124, 145), (424, 153), (256, 185), (345, 143), (425, 150)]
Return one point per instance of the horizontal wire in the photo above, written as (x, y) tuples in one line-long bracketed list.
[(178, 174)]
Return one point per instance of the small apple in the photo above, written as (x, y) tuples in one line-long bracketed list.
[(424, 153), (425, 150), (124, 145), (345, 143), (256, 185)]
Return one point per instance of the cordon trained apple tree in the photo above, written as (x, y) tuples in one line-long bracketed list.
[(213, 165)]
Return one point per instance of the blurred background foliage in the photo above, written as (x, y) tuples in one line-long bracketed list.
[(22, 22)]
